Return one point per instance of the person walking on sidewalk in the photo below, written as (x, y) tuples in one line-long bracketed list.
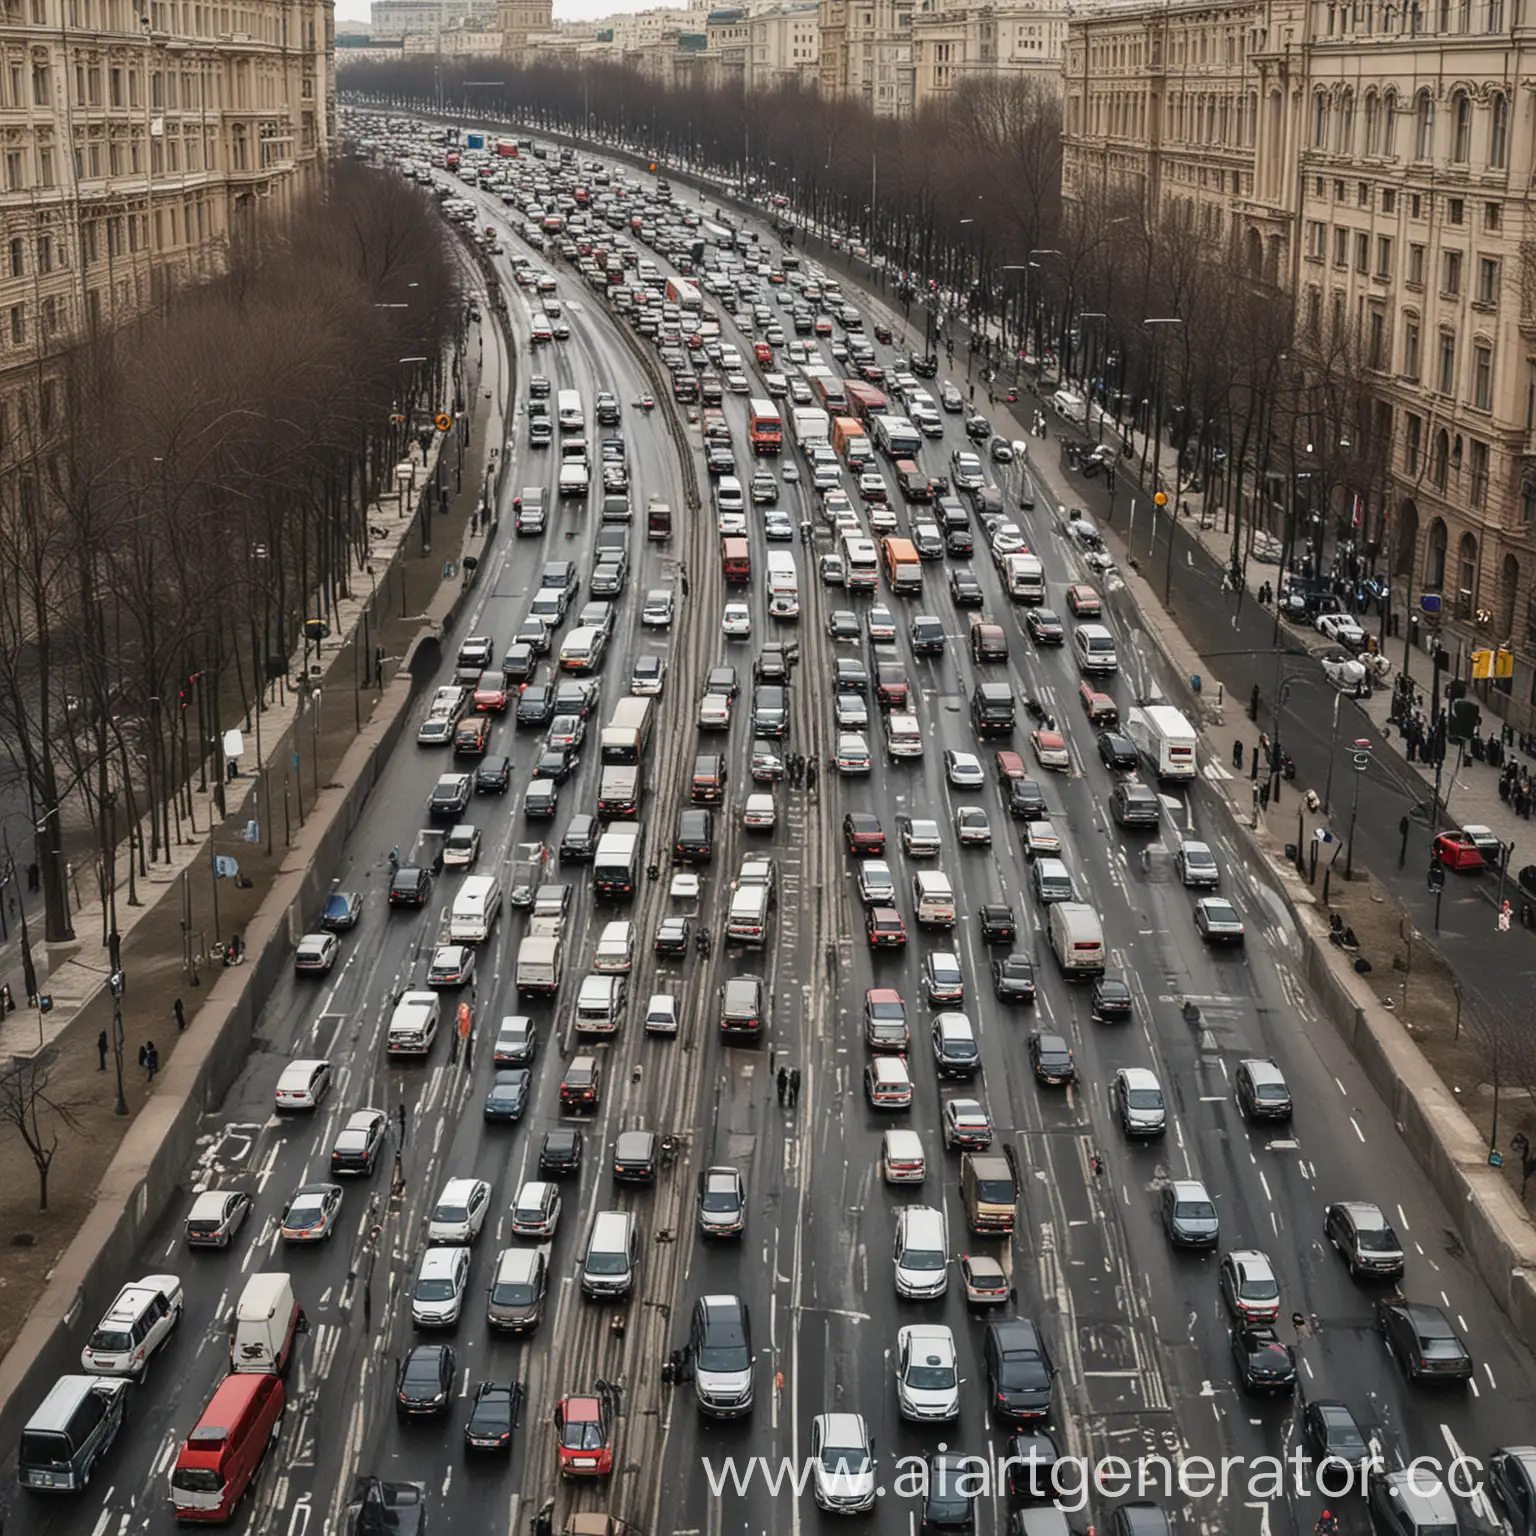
[(810, 777), (783, 1085), (101, 1051), (179, 1013), (152, 1059), (794, 1087)]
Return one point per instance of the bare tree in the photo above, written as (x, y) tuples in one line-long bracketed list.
[(28, 1106)]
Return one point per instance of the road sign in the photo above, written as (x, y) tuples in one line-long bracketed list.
[(1430, 602), (442, 421), (1161, 499)]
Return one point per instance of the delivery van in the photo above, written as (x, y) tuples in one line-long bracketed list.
[(72, 1429), (413, 1024), (475, 910), (267, 1321), (1077, 940), (600, 1004), (221, 1456), (934, 898)]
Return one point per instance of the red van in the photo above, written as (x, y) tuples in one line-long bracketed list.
[(222, 1454), (736, 558)]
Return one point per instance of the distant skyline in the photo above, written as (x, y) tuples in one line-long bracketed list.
[(355, 12)]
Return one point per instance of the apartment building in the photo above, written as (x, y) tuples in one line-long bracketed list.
[(390, 20), (1374, 161), (518, 21), (955, 40), (875, 53), (784, 47), (138, 138)]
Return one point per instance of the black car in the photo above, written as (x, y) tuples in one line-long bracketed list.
[(635, 1157), (385, 1509), (1331, 1433), (719, 460), (518, 665), (927, 635), (1264, 1363), (978, 428), (410, 887), (580, 840), (771, 665), (1051, 1057), (424, 1384), (559, 763), (493, 775), (450, 795), (1117, 750), (535, 705), (959, 543), (849, 675), (923, 367), (1140, 1517), (1111, 999), (1019, 1370), (1013, 979), (1423, 1341), (507, 1100), (997, 924), (493, 1416), (1134, 804), (578, 696), (723, 680), (1512, 1476), (560, 1154), (949, 1496), (1025, 801), (965, 588), (1044, 626)]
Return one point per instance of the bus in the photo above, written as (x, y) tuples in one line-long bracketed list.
[(736, 561), (624, 737), (783, 585), (684, 294), (862, 562), (718, 235), (864, 400), (828, 391), (764, 427)]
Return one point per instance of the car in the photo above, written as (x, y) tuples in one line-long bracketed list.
[(1189, 1214), (986, 1282), (451, 965), (1051, 881), (672, 936), (1051, 1058), (215, 1218), (842, 624), (342, 910), (1365, 1239), (1134, 804), (1344, 672), (885, 1020), (584, 1436), (996, 921), (951, 399), (1342, 628), (955, 1051), (560, 1153), (1138, 1101), (920, 837), (850, 675), (832, 571), (358, 1143), (1044, 626), (303, 1084), (536, 1210), (1196, 865), (963, 769), (880, 624), (1264, 1364), (714, 712), (461, 847), (736, 621), (1032, 1460), (764, 489), (580, 840), (1458, 851), (964, 589), (852, 753), (636, 1156), (1041, 840), (973, 827), (517, 1041), (1330, 1432), (133, 1328), (316, 954), (926, 634), (887, 1083), (661, 1014), (460, 1211), (721, 1209), (1217, 921), (1111, 999), (1026, 800), (1050, 749), (1083, 601), (535, 705), (966, 1125), (582, 1085), (425, 1381), (493, 1416), (842, 1463), (310, 1215), (884, 928), (1013, 979), (950, 1491), (927, 1373), (877, 886), (767, 763), (850, 712), (1248, 1286), (1423, 1341), (506, 1101), (1019, 1371), (943, 980), (1261, 1090), (863, 834), (647, 676)]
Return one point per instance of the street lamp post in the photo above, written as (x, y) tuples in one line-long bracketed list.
[(1362, 761), (118, 984), (1333, 747)]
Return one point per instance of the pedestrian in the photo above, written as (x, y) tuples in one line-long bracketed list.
[(101, 1051), (143, 1055), (152, 1059), (794, 1087), (179, 1011), (810, 776), (7, 1002), (682, 576), (783, 1084), (400, 1115), (34, 875)]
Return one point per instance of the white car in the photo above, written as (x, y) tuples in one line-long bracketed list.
[(759, 814), (134, 1327), (880, 623), (852, 753), (731, 523), (536, 1211), (736, 621), (661, 1014), (877, 887), (460, 1211), (714, 712), (927, 1374), (963, 769), (1041, 840), (658, 608), (842, 1463), (901, 1157), (452, 965), (316, 954), (303, 1084), (851, 711), (1343, 629), (920, 837), (1007, 539), (777, 526)]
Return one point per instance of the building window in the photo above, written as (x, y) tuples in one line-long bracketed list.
[(18, 257), (1477, 474), (1363, 194), (1461, 128), (1389, 201), (1320, 120), (1416, 266), (39, 85), (1482, 376), (1487, 281), (1415, 206), (1492, 216), (18, 325), (1383, 256), (1341, 247), (1317, 240), (1439, 472), (1413, 441), (1372, 124), (1498, 132), (1411, 336), (1376, 345), (1450, 273), (45, 253), (1362, 252), (1424, 127), (1389, 125), (1447, 381)]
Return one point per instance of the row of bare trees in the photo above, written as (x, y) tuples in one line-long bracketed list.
[(184, 493)]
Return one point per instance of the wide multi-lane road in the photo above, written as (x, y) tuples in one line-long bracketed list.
[(1137, 1330)]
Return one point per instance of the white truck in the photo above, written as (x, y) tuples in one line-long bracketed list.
[(896, 437), (267, 1319), (1025, 578), (810, 426), (540, 960), (1165, 740)]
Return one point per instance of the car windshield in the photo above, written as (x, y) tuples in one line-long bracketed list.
[(844, 1463), (607, 1263), (303, 1211), (434, 1290), (583, 1435), (1195, 1210), (1145, 1098), (722, 1198), (450, 1213), (1442, 1349), (110, 1341), (518, 1295), (994, 1191), (1377, 1240), (1265, 1289), (923, 1258), (931, 1378)]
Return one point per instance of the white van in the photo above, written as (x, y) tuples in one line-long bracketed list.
[(1094, 647), (903, 736), (413, 1024), (568, 411), (600, 1004), (748, 919), (615, 947), (612, 1256), (475, 910), (267, 1320), (582, 651), (934, 898), (540, 958), (728, 495), (1077, 940)]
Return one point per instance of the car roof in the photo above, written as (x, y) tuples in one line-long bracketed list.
[(1139, 1077), (460, 1187), (1189, 1189), (843, 1430), (934, 1338)]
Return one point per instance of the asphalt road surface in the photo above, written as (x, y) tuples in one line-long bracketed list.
[(1138, 1330)]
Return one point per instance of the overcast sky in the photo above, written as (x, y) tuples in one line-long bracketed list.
[(356, 11)]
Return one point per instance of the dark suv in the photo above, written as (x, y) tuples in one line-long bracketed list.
[(695, 837), (1135, 804)]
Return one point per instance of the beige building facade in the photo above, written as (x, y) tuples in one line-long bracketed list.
[(1375, 163), (954, 41), (784, 47), (133, 152), (518, 21)]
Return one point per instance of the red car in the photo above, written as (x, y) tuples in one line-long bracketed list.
[(863, 834), (491, 693), (1099, 707), (1010, 766), (884, 928), (1051, 750), (764, 352), (1083, 601), (582, 1433), (1457, 851)]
